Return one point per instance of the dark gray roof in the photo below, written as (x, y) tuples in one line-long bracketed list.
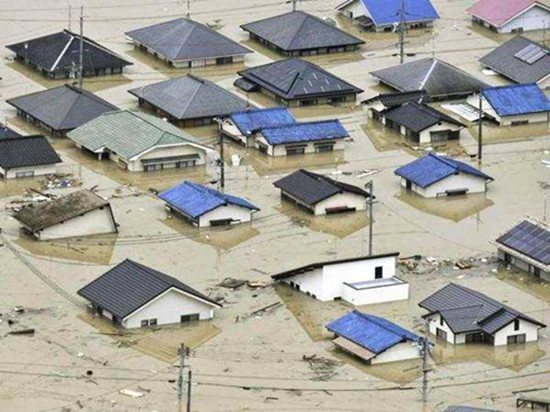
[(417, 117), (184, 39), (311, 188), (59, 52), (300, 31), (397, 99), (296, 78), (43, 215), (26, 151), (503, 60), (190, 97), (466, 310), (62, 108), (130, 285), (436, 77), (6, 132)]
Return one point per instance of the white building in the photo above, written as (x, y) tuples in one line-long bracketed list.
[(360, 281), (81, 213), (435, 176), (518, 15), (460, 315), (40, 158), (132, 295)]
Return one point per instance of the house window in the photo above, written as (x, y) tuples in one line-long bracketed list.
[(189, 318), (441, 321), (28, 173), (144, 323), (441, 334), (378, 272), (519, 122), (322, 148), (291, 151), (153, 322), (514, 339), (516, 324)]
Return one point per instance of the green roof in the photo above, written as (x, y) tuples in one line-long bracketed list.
[(129, 133)]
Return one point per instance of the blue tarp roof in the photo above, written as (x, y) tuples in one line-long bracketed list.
[(250, 120), (385, 12), (432, 168), (304, 132), (517, 99), (374, 333), (195, 200)]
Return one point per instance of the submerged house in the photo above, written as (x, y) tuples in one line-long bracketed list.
[(360, 281), (300, 34), (57, 56), (184, 43), (373, 339), (296, 82), (458, 315), (81, 213), (384, 15), (435, 176), (133, 295), (203, 206), (27, 156), (375, 105), (526, 246), (511, 16), (320, 194)]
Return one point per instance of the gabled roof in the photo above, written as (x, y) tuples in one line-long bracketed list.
[(311, 188), (418, 117), (195, 200), (26, 151), (184, 39), (436, 77), (466, 310), (40, 216), (517, 99), (296, 78), (129, 133), (249, 121), (317, 265), (385, 12), (304, 132), (59, 52), (371, 332), (530, 238), (62, 108), (190, 97), (504, 60), (298, 30), (130, 285), (498, 12), (432, 168), (6, 132), (399, 98)]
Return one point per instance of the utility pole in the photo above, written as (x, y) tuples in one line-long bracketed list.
[(401, 31), (81, 50), (480, 128), (188, 9), (369, 186), (189, 391), (294, 5), (222, 159), (425, 355), (70, 17), (182, 353)]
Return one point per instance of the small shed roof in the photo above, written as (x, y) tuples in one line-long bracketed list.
[(43, 215), (298, 30), (386, 12), (519, 99), (6, 132), (399, 98), (304, 132), (499, 13), (248, 121), (26, 151), (530, 238), (195, 200), (418, 117), (130, 285), (372, 332), (432, 168)]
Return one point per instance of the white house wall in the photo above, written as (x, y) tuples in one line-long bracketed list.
[(92, 223), (522, 264), (529, 329), (355, 9), (280, 150), (435, 324), (232, 131), (345, 199), (173, 151), (400, 352), (369, 296), (536, 18), (507, 120), (168, 308), (311, 282), (474, 184), (38, 171), (238, 213), (425, 135)]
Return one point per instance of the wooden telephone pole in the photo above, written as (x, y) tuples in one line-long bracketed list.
[(401, 32), (81, 50), (369, 186)]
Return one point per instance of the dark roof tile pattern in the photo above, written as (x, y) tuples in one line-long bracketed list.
[(418, 117), (26, 151)]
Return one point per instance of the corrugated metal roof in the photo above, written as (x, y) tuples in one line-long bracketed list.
[(195, 200), (498, 12), (432, 168), (249, 121), (530, 239), (130, 285), (417, 117), (372, 332), (517, 99), (26, 151), (353, 348), (304, 132), (384, 12)]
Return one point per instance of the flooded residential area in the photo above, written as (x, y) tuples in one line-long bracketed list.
[(289, 228)]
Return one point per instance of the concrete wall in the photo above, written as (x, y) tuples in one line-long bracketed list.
[(38, 171), (347, 199), (400, 352), (92, 223), (238, 213), (474, 184), (535, 18), (168, 307), (369, 296), (529, 329)]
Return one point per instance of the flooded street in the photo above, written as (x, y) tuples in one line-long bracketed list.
[(244, 360)]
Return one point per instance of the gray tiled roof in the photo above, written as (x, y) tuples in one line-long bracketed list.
[(58, 52), (502, 60), (311, 188), (300, 31), (6, 132), (26, 151), (399, 98), (417, 117), (436, 77), (62, 108), (184, 39), (466, 310), (129, 285), (43, 215), (190, 97), (296, 78)]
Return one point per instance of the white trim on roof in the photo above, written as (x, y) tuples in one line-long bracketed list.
[(155, 147), (62, 54)]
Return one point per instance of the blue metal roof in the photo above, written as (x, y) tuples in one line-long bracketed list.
[(374, 333), (304, 132), (250, 120), (517, 99), (385, 12), (432, 168), (195, 200)]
